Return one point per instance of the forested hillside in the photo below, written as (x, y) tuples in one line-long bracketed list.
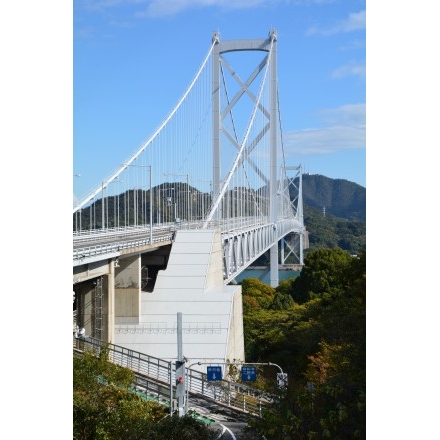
[(334, 213), (339, 197), (330, 231)]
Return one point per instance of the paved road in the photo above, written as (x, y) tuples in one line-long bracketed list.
[(229, 424), (229, 430)]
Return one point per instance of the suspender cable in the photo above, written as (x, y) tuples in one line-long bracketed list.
[(148, 142)]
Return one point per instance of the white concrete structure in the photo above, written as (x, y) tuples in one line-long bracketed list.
[(193, 285)]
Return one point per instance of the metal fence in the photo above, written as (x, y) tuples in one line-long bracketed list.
[(155, 378)]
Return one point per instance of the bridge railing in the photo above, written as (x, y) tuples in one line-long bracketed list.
[(110, 243), (233, 395)]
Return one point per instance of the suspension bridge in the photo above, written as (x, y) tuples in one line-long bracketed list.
[(205, 196)]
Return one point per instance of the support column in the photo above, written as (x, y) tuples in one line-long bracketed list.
[(111, 303), (127, 294), (274, 280), (216, 120), (180, 369), (302, 245)]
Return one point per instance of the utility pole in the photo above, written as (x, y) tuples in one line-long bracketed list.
[(180, 370)]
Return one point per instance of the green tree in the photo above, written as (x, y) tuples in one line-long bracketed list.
[(106, 408), (103, 405), (256, 294), (282, 301), (337, 387), (323, 348), (180, 428), (263, 332), (323, 273)]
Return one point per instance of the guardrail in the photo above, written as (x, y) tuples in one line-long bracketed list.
[(106, 249), (109, 243), (156, 376)]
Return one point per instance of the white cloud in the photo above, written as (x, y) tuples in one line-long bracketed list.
[(355, 21), (156, 8), (169, 7), (351, 114), (345, 130), (353, 45), (100, 5), (85, 32), (352, 68)]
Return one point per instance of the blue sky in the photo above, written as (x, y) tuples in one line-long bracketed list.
[(41, 143), (133, 59)]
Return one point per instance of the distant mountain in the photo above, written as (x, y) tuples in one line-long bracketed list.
[(343, 222), (330, 231), (334, 213), (339, 197)]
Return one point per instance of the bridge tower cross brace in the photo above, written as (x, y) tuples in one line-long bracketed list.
[(268, 45)]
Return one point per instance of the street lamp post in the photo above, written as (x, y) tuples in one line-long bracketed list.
[(143, 212), (187, 385), (204, 198), (159, 208), (135, 202), (187, 200), (105, 211), (93, 214), (151, 204), (76, 214), (102, 206), (188, 194)]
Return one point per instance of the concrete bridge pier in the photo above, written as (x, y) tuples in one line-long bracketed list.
[(128, 289), (93, 284), (107, 292)]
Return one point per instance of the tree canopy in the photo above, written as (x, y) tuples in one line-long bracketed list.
[(106, 408), (320, 340)]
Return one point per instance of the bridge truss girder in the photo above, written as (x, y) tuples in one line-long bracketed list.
[(292, 247), (297, 241), (241, 248)]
